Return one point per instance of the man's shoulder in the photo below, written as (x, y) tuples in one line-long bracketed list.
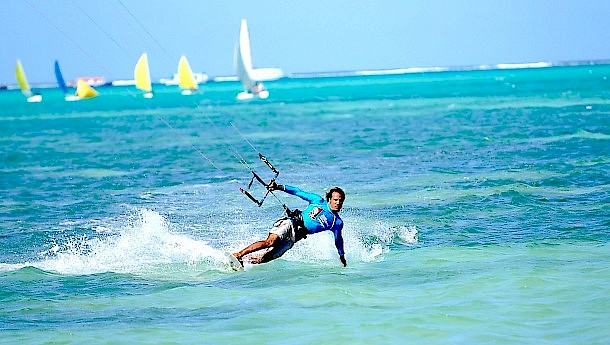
[(297, 190)]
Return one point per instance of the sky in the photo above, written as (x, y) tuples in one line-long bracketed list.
[(105, 38)]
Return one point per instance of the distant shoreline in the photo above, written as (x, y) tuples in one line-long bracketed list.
[(500, 66), (375, 72)]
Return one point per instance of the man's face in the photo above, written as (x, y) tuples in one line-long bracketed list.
[(336, 202)]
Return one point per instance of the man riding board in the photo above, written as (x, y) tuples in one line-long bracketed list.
[(320, 215)]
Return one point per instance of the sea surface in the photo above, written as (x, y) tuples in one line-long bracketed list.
[(477, 212)]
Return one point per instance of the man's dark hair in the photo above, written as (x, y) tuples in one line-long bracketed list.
[(329, 194)]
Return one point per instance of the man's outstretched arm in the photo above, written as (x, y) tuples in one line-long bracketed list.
[(309, 197)]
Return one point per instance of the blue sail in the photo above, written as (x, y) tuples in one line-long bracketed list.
[(60, 78)]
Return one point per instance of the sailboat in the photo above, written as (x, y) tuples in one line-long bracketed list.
[(83, 90), (68, 96), (186, 78), (25, 86), (141, 74), (242, 60)]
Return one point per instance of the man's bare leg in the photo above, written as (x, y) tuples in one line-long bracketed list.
[(267, 243)]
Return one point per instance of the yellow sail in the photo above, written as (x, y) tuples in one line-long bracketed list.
[(85, 91), (185, 75), (22, 80), (142, 74)]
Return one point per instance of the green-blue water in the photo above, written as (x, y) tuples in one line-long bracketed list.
[(477, 211)]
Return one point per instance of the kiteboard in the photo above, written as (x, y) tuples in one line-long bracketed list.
[(235, 264)]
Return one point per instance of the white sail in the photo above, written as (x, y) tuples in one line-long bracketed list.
[(243, 57), (242, 61)]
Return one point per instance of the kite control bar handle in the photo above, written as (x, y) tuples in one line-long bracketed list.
[(260, 180)]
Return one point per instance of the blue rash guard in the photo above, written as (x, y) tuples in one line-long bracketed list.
[(318, 217)]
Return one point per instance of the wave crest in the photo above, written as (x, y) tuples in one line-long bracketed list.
[(141, 247)]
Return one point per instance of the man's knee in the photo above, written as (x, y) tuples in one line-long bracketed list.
[(271, 240)]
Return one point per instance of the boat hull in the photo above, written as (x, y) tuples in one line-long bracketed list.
[(244, 96), (35, 98), (71, 98)]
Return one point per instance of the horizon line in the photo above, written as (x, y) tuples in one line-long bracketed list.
[(375, 72)]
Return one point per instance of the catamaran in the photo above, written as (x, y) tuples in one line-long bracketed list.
[(83, 90), (242, 60), (141, 75), (186, 78), (25, 86), (200, 78), (68, 96)]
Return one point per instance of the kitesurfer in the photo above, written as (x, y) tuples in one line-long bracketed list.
[(319, 215)]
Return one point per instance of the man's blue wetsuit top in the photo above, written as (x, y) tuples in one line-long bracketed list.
[(318, 217)]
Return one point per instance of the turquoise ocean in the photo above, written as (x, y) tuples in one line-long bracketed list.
[(477, 212)]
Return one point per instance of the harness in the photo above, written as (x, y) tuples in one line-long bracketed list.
[(296, 217)]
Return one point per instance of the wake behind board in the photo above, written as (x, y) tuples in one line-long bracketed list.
[(234, 263)]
